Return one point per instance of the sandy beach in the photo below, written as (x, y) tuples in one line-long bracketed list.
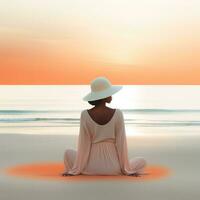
[(178, 153)]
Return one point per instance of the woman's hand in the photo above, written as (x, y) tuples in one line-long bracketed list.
[(67, 174)]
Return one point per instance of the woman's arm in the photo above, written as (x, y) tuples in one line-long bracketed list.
[(84, 145), (121, 145)]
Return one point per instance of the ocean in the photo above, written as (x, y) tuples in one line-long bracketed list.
[(148, 110)]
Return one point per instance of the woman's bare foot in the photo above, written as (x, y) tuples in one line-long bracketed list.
[(66, 174), (135, 174)]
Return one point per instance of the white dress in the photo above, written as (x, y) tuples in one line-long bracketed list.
[(102, 149)]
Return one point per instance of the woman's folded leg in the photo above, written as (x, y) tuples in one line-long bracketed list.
[(138, 164)]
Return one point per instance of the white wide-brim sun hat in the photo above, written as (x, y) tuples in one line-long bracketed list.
[(101, 88)]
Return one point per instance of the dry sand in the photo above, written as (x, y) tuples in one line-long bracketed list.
[(180, 154)]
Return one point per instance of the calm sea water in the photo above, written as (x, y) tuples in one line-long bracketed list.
[(56, 109)]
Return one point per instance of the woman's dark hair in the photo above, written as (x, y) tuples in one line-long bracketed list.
[(95, 103)]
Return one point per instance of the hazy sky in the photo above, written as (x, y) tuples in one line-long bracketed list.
[(130, 42)]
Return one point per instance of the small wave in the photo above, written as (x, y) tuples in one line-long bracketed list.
[(38, 119), (18, 112), (76, 122), (161, 110)]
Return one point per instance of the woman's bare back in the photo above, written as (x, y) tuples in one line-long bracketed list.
[(101, 115)]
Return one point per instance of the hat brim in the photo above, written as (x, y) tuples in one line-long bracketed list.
[(92, 96)]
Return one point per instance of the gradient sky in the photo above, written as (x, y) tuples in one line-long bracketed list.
[(71, 42)]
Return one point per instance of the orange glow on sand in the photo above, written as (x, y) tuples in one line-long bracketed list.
[(52, 171)]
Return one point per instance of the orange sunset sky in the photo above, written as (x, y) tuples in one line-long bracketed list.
[(72, 41)]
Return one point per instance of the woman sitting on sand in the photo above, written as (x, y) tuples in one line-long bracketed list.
[(102, 145)]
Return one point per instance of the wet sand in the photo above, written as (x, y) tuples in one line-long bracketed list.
[(178, 154)]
